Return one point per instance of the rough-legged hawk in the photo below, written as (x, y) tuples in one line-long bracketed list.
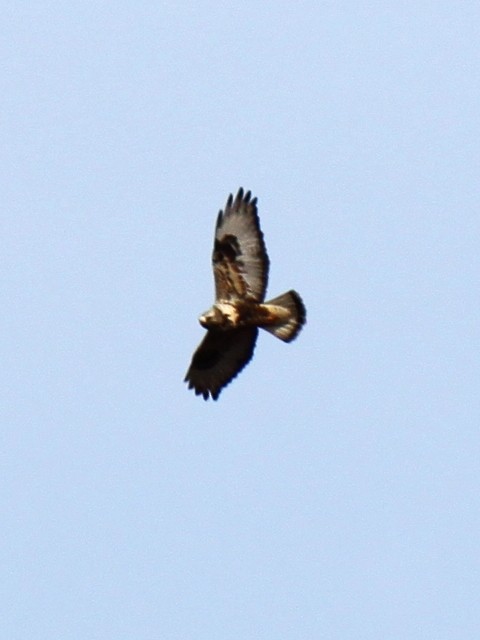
[(240, 267)]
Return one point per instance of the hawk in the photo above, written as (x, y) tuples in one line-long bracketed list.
[(240, 268)]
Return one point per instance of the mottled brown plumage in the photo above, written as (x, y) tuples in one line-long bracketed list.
[(240, 267)]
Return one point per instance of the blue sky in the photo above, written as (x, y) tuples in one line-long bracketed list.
[(332, 491)]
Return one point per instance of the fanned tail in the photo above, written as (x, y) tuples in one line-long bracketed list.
[(291, 313)]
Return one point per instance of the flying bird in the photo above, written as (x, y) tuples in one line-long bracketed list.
[(240, 269)]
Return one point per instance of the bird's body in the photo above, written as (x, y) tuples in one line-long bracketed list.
[(240, 266), (226, 315)]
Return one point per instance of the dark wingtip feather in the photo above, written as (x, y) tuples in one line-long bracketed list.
[(239, 197), (242, 197)]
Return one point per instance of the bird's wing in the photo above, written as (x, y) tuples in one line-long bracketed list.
[(219, 358), (240, 260)]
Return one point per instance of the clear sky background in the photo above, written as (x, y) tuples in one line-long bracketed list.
[(333, 490)]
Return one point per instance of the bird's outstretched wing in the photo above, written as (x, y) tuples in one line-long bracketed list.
[(218, 359), (240, 260)]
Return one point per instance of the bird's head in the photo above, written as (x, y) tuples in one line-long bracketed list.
[(211, 318)]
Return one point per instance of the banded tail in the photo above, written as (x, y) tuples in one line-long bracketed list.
[(291, 314)]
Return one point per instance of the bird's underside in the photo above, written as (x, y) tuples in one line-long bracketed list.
[(240, 265)]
